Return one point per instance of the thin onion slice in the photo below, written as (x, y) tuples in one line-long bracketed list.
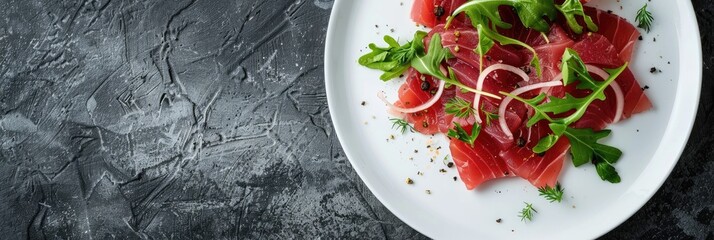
[(519, 91), (619, 96), (485, 73), (421, 107)]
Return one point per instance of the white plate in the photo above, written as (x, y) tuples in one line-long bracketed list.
[(652, 142)]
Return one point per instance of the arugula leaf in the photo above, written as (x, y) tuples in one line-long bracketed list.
[(394, 59), (459, 108), (459, 133), (531, 13), (585, 146), (533, 103), (607, 172), (546, 143), (430, 64), (573, 68), (503, 40), (573, 8), (484, 45)]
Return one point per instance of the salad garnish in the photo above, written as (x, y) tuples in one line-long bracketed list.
[(644, 18), (527, 212), (552, 194)]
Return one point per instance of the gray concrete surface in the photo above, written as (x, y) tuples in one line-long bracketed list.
[(206, 119)]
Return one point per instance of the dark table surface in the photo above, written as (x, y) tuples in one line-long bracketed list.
[(208, 119)]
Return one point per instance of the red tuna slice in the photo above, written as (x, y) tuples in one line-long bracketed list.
[(539, 170), (479, 163), (549, 54), (495, 82), (463, 40), (424, 12), (433, 119), (517, 30), (596, 50), (622, 34)]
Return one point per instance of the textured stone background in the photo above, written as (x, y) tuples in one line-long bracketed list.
[(208, 119)]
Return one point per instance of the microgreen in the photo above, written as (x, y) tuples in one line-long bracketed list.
[(394, 59), (552, 194), (644, 18)]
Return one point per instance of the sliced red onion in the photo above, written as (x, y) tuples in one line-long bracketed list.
[(421, 107), (484, 74), (619, 96), (519, 91)]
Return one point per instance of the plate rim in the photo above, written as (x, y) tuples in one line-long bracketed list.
[(688, 26)]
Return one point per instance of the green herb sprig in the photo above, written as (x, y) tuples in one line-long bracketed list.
[(459, 107), (394, 59), (401, 125), (552, 194), (527, 212), (460, 133), (490, 117), (644, 18)]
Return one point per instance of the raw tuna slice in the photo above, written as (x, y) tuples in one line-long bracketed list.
[(495, 82), (539, 170), (479, 163), (463, 39), (622, 34), (433, 119), (597, 50), (549, 54), (432, 12)]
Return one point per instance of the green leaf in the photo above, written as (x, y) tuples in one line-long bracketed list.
[(484, 42), (391, 41), (607, 172), (430, 64), (560, 105), (573, 8), (585, 147), (394, 59), (483, 12), (459, 133), (573, 70), (533, 103), (484, 16), (546, 143), (531, 13), (394, 73)]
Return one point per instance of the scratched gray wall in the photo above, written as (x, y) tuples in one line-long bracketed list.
[(207, 119)]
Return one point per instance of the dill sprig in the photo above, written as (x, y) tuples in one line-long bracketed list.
[(401, 125), (527, 212), (489, 116), (459, 107), (552, 194), (644, 18)]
